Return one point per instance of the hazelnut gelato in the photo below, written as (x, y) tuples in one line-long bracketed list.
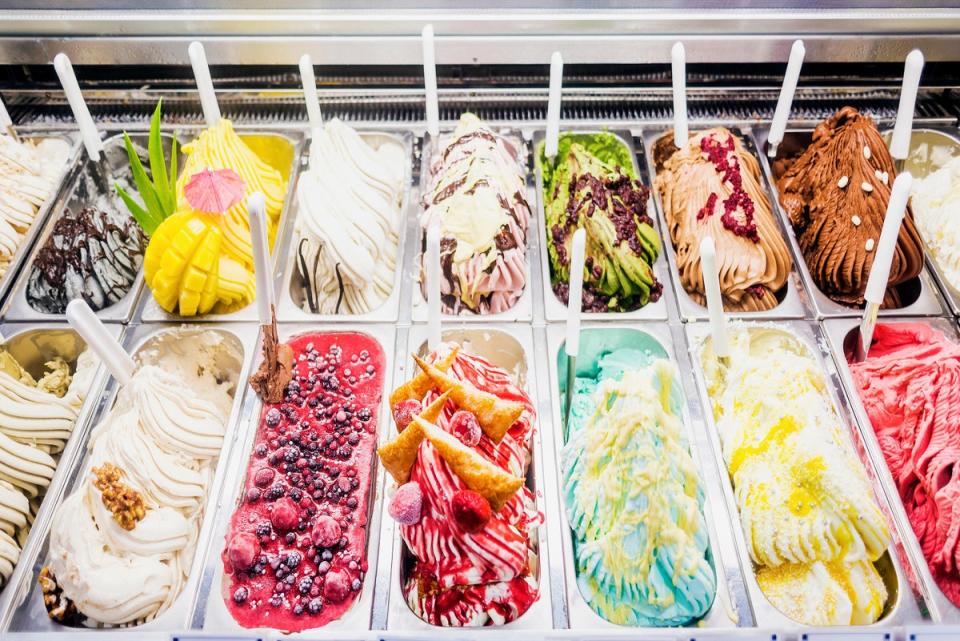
[(712, 187)]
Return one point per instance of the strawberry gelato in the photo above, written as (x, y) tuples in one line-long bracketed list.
[(910, 388)]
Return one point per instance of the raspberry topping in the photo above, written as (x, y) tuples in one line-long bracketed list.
[(285, 514), (465, 427), (404, 411), (406, 504), (242, 550), (470, 510), (326, 532), (725, 161)]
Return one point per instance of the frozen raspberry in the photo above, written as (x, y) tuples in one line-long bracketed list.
[(326, 532), (336, 586), (465, 427), (404, 411), (406, 504), (470, 510), (242, 550), (285, 514), (263, 477)]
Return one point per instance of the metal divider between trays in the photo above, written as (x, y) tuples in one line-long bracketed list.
[(835, 331), (11, 596), (904, 608), (210, 614), (29, 613)]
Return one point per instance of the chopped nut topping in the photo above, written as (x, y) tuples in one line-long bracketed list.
[(59, 607), (885, 177), (867, 187), (866, 152), (124, 502), (869, 245), (843, 181), (856, 220)]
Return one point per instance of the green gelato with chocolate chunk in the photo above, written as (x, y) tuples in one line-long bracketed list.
[(591, 184)]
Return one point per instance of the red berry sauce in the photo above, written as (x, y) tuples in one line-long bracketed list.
[(300, 527)]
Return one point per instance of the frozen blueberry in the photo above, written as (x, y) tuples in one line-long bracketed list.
[(240, 595)]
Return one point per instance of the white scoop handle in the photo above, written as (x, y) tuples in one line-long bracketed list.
[(785, 101), (94, 332), (553, 105), (201, 71), (430, 81), (896, 209), (678, 68), (266, 298), (310, 91), (433, 286), (88, 129), (900, 142), (575, 297), (711, 283)]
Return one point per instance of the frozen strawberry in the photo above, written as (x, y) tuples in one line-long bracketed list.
[(285, 514), (470, 510), (326, 532), (406, 504), (465, 427), (242, 550), (336, 586), (404, 411)]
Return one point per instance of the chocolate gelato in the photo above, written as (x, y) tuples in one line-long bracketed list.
[(835, 194), (91, 254), (712, 187)]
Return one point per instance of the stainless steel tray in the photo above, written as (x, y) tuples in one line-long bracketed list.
[(554, 309), (522, 310), (40, 341), (511, 347), (794, 302), (211, 613), (949, 137), (596, 339), (836, 331), (39, 221), (148, 311), (79, 190), (289, 296), (28, 613), (901, 606), (927, 302)]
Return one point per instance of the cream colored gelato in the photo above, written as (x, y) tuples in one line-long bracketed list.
[(28, 177), (122, 544), (36, 419), (936, 209), (349, 221)]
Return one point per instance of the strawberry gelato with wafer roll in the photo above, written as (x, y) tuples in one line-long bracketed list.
[(460, 461)]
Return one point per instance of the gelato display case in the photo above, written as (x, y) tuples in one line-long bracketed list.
[(362, 462)]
